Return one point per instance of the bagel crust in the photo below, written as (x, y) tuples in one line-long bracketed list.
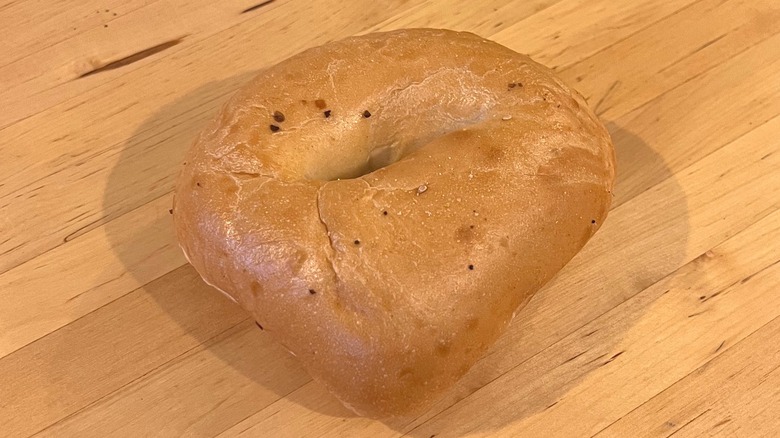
[(384, 204)]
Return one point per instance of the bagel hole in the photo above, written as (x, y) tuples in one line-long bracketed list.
[(378, 158), (392, 151), (382, 156)]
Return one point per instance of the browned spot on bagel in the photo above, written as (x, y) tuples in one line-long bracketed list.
[(494, 154), (462, 135), (406, 373), (255, 287), (235, 129), (472, 323), (443, 348), (254, 137), (504, 242), (230, 189), (319, 103), (464, 233)]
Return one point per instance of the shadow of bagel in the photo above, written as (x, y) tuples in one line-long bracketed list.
[(262, 364)]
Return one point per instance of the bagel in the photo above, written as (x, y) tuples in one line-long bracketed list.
[(384, 204)]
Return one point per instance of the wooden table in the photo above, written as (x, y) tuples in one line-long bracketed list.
[(667, 323)]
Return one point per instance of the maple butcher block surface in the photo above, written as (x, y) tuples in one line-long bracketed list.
[(666, 323)]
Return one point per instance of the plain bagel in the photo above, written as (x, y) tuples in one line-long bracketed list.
[(384, 204)]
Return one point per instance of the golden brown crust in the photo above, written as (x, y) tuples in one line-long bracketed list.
[(389, 284)]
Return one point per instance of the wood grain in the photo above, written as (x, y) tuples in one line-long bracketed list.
[(664, 324)]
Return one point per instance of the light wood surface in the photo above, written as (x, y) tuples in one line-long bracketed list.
[(667, 323)]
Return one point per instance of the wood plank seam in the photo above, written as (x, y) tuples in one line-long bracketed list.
[(695, 51), (689, 422)]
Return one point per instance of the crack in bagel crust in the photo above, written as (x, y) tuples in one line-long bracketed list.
[(383, 205), (327, 233)]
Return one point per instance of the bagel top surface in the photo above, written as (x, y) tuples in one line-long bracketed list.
[(383, 204)]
